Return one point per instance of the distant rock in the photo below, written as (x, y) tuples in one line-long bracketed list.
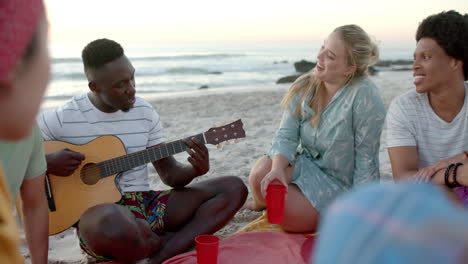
[(373, 71), (402, 69), (394, 65), (215, 72), (282, 62), (304, 66), (288, 79), (388, 63), (204, 87)]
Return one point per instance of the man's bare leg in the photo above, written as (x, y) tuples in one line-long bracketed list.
[(201, 208)]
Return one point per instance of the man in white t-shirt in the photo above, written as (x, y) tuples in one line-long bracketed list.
[(427, 132), (144, 223)]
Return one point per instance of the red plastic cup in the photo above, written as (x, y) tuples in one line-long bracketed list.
[(275, 199), (207, 249)]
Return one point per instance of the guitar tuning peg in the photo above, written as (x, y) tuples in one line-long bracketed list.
[(228, 143), (218, 146), (236, 141)]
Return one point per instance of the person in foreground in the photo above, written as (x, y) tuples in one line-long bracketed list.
[(427, 127), (328, 140), (393, 223), (24, 75), (144, 223)]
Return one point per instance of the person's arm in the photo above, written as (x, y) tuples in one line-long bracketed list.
[(405, 165), (404, 162), (36, 218), (277, 172), (176, 174), (368, 120), (402, 147), (284, 147), (438, 170), (401, 141)]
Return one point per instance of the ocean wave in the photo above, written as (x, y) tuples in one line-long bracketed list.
[(68, 76), (78, 76), (175, 57), (190, 70), (59, 97), (66, 60), (191, 56)]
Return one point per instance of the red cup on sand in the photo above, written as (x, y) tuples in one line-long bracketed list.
[(275, 199), (207, 249)]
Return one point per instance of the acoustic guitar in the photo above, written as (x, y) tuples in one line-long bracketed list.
[(94, 181)]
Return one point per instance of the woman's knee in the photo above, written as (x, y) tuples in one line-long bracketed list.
[(258, 171)]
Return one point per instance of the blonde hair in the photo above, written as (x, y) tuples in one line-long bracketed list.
[(361, 51)]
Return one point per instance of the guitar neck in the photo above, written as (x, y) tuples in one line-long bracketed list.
[(135, 159)]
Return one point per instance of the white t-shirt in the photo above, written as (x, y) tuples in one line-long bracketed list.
[(412, 122), (79, 122)]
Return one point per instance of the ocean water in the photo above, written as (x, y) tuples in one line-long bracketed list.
[(163, 70)]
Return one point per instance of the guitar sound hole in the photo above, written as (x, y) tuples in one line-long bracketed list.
[(90, 174)]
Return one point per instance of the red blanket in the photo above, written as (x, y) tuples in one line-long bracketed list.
[(258, 247)]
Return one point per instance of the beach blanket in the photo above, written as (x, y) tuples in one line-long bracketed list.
[(258, 242), (258, 248), (261, 224)]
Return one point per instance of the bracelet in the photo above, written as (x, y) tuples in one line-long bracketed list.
[(446, 178), (455, 174)]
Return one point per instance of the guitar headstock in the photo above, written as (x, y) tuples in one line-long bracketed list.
[(220, 134)]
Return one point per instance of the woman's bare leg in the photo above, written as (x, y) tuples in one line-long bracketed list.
[(299, 214)]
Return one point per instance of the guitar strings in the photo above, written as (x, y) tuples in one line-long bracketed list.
[(112, 164), (142, 154)]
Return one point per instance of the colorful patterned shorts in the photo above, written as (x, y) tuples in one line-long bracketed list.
[(150, 205)]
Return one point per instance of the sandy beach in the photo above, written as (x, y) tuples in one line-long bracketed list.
[(260, 113)]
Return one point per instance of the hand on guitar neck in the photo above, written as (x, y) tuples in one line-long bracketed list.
[(199, 156), (63, 162), (176, 174)]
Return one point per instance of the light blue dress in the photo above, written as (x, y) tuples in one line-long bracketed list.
[(342, 151)]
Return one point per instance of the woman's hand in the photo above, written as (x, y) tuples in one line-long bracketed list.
[(275, 175)]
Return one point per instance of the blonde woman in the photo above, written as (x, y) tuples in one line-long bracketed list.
[(329, 135)]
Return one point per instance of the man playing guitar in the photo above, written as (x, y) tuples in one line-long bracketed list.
[(144, 223)]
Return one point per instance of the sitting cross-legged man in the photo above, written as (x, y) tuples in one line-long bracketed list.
[(175, 217)]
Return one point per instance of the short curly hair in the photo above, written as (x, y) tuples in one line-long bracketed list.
[(450, 30), (100, 52)]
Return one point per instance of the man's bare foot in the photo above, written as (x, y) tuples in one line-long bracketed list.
[(252, 205)]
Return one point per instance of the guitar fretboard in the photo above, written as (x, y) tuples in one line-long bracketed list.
[(135, 159)]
